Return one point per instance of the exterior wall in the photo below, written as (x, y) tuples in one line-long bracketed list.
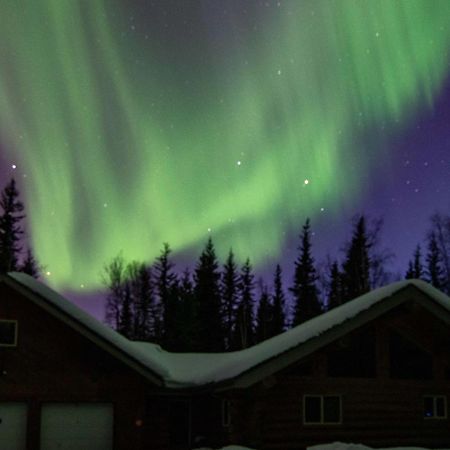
[(53, 363), (377, 411)]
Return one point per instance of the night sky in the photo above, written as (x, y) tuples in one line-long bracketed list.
[(129, 124)]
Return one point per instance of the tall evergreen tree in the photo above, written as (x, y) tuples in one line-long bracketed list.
[(440, 226), (10, 229), (434, 268), (264, 316), (187, 315), (208, 299), (304, 289), (29, 265), (125, 327), (335, 294), (244, 329), (229, 288), (142, 301), (114, 280), (415, 267), (164, 283), (278, 322), (356, 275)]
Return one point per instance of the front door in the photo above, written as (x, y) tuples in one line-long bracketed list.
[(180, 424)]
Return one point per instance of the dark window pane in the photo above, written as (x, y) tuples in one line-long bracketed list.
[(353, 356), (7, 333), (428, 409), (312, 409), (332, 409), (407, 361), (440, 407)]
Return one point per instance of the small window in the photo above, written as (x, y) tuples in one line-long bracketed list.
[(226, 416), (435, 407), (8, 333), (322, 409)]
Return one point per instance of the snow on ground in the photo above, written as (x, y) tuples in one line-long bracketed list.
[(331, 446), (229, 447), (344, 446)]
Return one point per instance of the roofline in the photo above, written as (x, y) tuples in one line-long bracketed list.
[(292, 355), (86, 331)]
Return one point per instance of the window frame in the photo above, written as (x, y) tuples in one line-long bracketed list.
[(434, 398), (322, 411), (16, 327), (226, 414)]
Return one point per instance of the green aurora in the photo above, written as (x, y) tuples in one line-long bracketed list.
[(129, 141)]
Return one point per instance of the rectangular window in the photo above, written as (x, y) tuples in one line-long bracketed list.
[(435, 407), (226, 416), (322, 409), (8, 333)]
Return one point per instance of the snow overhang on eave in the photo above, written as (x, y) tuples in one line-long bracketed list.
[(294, 354)]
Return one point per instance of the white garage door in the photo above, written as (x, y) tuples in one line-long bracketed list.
[(75, 426), (13, 426)]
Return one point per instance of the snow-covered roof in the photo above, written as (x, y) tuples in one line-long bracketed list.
[(184, 370)]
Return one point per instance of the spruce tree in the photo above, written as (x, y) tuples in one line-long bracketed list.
[(229, 287), (264, 316), (244, 329), (304, 289), (164, 283), (126, 318), (114, 280), (415, 267), (10, 229), (29, 265), (145, 308), (335, 294), (440, 226), (188, 323), (434, 268), (278, 321), (174, 320), (356, 268), (208, 300)]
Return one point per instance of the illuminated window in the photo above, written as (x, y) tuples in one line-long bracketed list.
[(435, 407), (322, 409), (8, 333)]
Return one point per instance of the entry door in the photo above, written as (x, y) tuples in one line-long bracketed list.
[(13, 426), (75, 426), (180, 424)]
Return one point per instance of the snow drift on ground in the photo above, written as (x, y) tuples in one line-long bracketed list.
[(332, 446), (344, 446)]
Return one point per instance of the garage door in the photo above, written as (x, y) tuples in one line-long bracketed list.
[(75, 426), (13, 426)]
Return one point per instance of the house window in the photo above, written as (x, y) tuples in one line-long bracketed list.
[(408, 361), (8, 333), (353, 356), (435, 407), (322, 409), (226, 416)]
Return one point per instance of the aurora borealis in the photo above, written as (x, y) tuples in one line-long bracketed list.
[(137, 123)]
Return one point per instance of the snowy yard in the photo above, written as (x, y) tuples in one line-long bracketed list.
[(332, 446)]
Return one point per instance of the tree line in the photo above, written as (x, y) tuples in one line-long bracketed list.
[(220, 307)]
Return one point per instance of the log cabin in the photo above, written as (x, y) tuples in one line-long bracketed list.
[(375, 370)]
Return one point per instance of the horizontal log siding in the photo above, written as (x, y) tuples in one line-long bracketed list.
[(373, 413)]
